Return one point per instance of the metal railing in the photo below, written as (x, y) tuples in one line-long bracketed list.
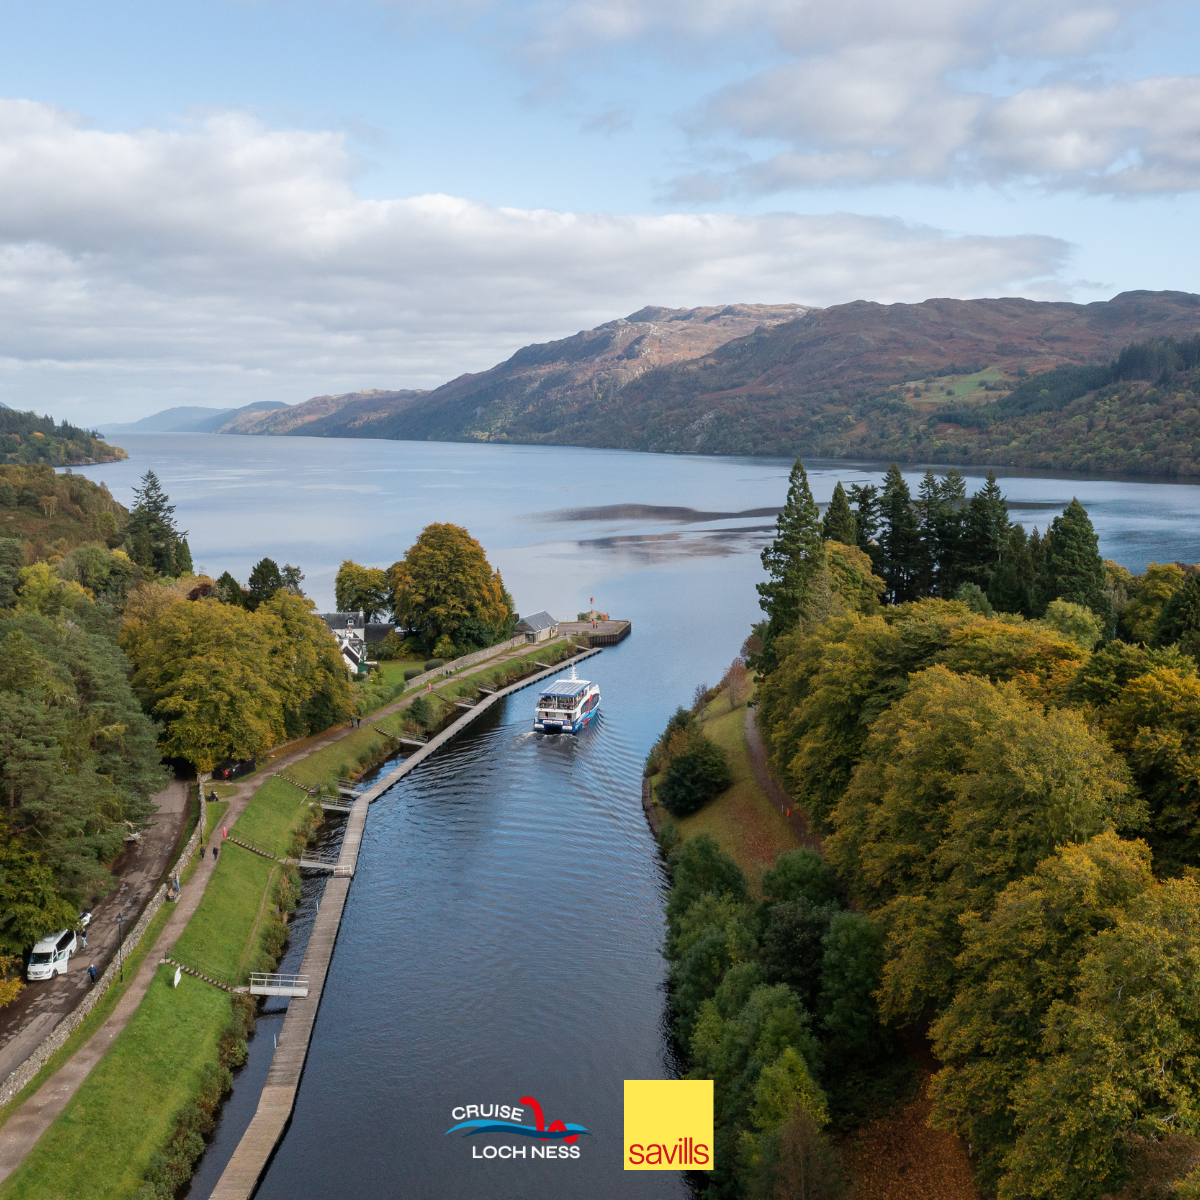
[(264, 983)]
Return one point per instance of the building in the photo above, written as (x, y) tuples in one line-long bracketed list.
[(352, 633), (540, 627)]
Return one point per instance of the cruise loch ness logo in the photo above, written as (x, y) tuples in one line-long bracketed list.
[(557, 1139)]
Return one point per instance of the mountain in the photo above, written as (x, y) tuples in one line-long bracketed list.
[(854, 380), (191, 419), (533, 395)]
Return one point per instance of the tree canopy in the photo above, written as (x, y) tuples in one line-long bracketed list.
[(362, 589), (151, 537)]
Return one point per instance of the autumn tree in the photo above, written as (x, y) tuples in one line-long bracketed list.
[(963, 787), (361, 589), (736, 683), (1139, 618), (204, 669), (445, 586)]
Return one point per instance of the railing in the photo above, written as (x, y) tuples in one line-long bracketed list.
[(323, 862), (271, 984)]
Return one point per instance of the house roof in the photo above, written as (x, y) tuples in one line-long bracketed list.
[(344, 620), (537, 622)]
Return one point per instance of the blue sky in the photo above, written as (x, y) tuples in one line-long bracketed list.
[(211, 203)]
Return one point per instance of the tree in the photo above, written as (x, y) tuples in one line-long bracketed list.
[(444, 579), (1139, 618), (265, 581), (851, 969), (1014, 583), (839, 520), (293, 577), (1179, 617), (963, 787), (361, 589), (899, 539), (1074, 621), (791, 561), (151, 537), (229, 591), (865, 498), (307, 668), (792, 946), (697, 772), (1073, 568), (736, 683), (986, 529), (205, 669), (697, 867), (800, 875), (1016, 962), (12, 559)]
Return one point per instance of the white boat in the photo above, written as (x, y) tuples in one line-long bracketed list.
[(567, 705)]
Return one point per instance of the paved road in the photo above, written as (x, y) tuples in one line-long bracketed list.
[(40, 1007)]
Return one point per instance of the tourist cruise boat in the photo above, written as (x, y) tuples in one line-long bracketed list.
[(567, 705)]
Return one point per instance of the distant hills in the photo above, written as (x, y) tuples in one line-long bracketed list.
[(194, 420), (854, 380), (29, 440)]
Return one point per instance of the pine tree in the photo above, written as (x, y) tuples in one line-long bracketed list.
[(265, 581), (229, 591), (791, 561), (985, 532), (1074, 570), (949, 532), (1013, 585), (839, 520), (929, 509), (900, 538), (865, 498), (151, 538)]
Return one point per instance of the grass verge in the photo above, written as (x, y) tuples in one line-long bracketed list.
[(743, 819)]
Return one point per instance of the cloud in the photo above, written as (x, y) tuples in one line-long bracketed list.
[(225, 261), (885, 91)]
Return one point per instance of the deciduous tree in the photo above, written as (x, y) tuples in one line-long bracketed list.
[(362, 589)]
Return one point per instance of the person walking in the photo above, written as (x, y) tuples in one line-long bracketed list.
[(83, 937), (216, 850), (92, 973), (201, 851)]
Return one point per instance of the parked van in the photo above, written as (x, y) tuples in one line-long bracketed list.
[(50, 955)]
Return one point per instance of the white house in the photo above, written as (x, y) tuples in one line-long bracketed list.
[(538, 628)]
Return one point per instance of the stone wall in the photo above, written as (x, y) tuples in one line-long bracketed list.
[(469, 660), (63, 1030)]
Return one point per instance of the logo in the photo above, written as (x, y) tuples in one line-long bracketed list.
[(668, 1124), (509, 1118)]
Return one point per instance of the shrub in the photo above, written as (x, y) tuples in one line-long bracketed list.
[(800, 874), (433, 664), (658, 757), (423, 712), (695, 775), (391, 647), (412, 673)]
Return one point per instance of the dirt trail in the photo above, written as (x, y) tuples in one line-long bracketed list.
[(797, 818)]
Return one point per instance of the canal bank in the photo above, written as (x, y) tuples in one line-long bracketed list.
[(254, 1151)]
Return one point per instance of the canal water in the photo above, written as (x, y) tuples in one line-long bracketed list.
[(502, 935)]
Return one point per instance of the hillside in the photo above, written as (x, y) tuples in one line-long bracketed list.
[(53, 513), (26, 438), (192, 419), (534, 396)]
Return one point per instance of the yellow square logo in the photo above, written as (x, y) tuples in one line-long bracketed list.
[(668, 1125)]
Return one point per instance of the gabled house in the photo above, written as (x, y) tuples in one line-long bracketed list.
[(538, 628)]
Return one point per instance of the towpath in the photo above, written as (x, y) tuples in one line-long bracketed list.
[(19, 1134), (797, 818)]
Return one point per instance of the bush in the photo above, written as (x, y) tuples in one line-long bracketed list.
[(412, 673), (695, 775), (433, 664), (800, 874), (423, 712), (391, 647), (658, 757)]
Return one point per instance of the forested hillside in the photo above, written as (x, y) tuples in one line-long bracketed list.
[(1002, 764), (27, 438)]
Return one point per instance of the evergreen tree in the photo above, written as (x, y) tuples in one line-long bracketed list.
[(151, 538), (929, 510), (899, 540), (229, 591), (293, 577), (1013, 585), (1073, 569), (949, 532), (1180, 615), (12, 559), (839, 520), (792, 560), (865, 498), (985, 532), (265, 581)]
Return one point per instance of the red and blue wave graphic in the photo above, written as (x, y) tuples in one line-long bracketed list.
[(555, 1131)]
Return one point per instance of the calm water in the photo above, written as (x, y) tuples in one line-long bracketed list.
[(502, 933)]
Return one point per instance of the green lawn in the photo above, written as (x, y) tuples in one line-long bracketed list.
[(743, 819), (127, 1107)]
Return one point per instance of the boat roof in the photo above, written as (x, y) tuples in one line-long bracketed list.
[(566, 687)]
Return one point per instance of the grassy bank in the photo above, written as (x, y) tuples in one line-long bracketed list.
[(744, 820), (128, 1107)]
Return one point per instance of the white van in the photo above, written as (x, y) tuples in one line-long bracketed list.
[(49, 957)]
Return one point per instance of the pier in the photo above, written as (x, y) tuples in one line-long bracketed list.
[(270, 1120), (603, 633)]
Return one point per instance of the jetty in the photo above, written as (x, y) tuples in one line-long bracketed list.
[(602, 633), (241, 1176)]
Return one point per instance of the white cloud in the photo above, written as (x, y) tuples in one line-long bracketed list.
[(883, 91), (226, 262)]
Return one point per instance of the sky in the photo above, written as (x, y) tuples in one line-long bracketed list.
[(218, 203)]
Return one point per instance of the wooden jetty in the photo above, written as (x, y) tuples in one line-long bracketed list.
[(249, 1161)]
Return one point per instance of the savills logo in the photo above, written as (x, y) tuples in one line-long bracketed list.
[(668, 1124), (509, 1118)]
